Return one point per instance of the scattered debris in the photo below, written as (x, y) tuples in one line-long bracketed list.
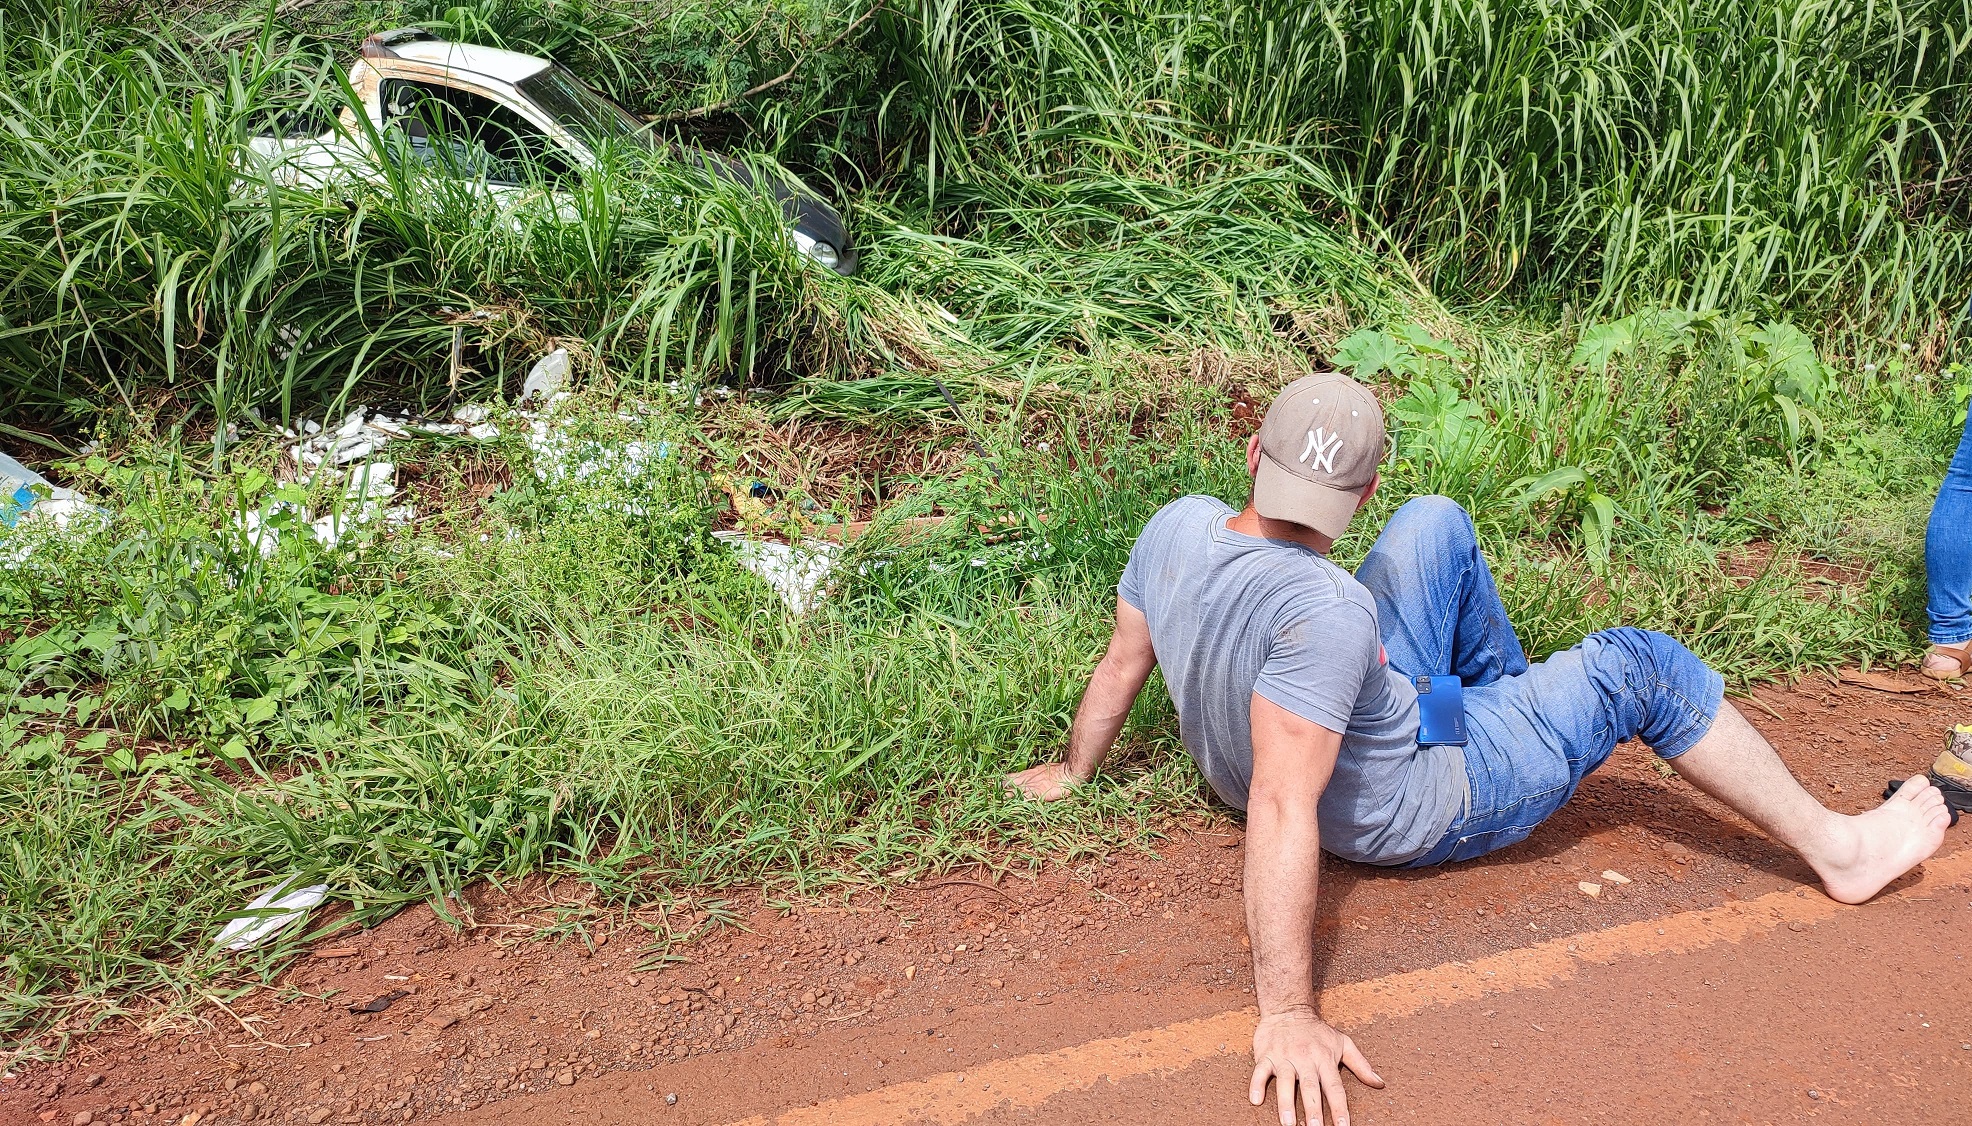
[(268, 913), (330, 530), (795, 572), (354, 440), (335, 952), (1612, 876), (1589, 889), (28, 496), (381, 1002), (548, 376), (559, 457)]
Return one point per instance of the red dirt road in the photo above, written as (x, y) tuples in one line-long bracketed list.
[(1713, 987)]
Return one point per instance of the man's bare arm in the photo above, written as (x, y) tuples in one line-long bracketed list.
[(1113, 688), (1292, 761)]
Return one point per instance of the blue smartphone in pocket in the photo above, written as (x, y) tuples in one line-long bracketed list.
[(1440, 711)]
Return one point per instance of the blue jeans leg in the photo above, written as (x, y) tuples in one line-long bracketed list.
[(1948, 550), (1436, 606), (1535, 736)]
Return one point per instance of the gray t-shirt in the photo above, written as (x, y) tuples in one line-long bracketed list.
[(1231, 615)]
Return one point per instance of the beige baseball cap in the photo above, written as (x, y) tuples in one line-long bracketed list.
[(1320, 444)]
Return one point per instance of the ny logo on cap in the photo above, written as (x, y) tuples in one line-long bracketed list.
[(1323, 447)]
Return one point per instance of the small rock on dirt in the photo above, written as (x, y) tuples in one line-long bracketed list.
[(565, 1078), (671, 1100), (1611, 876), (1589, 889), (441, 1020), (84, 1118), (95, 1079)]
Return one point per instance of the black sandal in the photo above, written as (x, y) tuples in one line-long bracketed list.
[(1956, 800)]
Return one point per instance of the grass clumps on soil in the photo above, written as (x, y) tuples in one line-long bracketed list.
[(1096, 239)]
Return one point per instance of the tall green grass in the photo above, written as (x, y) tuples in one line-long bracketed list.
[(146, 249), (1068, 170), (1703, 153)]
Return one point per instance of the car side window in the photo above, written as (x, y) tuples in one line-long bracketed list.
[(471, 136)]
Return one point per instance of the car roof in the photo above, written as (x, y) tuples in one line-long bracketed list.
[(492, 62)]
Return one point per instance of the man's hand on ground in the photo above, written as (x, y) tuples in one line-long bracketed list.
[(1045, 783), (1295, 1049)]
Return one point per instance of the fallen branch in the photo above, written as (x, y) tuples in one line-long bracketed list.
[(720, 107)]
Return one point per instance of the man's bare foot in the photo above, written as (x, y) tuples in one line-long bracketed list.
[(1886, 842)]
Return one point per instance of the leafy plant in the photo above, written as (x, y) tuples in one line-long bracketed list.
[(1576, 491), (1437, 424)]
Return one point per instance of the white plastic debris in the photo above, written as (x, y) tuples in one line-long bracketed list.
[(269, 913), (795, 572), (363, 434), (29, 500), (548, 376), (559, 457), (372, 480), (678, 387), (366, 490), (261, 531), (336, 526), (354, 440), (25, 494)]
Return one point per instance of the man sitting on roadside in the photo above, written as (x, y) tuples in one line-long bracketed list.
[(1295, 685)]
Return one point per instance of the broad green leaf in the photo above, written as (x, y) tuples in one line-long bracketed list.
[(1598, 529), (1416, 336), (1789, 356), (1368, 351), (1533, 489)]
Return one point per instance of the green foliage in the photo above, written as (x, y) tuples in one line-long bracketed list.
[(147, 245), (184, 626), (1702, 153), (1060, 203)]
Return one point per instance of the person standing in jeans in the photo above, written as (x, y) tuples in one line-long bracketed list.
[(1948, 569)]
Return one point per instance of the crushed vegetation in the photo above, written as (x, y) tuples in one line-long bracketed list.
[(1653, 289)]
